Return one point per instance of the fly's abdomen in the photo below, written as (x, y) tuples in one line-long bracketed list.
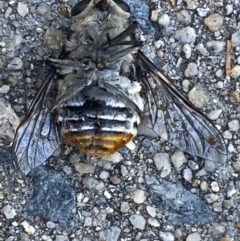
[(99, 124)]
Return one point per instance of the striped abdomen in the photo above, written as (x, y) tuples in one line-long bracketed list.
[(98, 122)]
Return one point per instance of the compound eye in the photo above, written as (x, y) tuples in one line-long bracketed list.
[(79, 7), (124, 6)]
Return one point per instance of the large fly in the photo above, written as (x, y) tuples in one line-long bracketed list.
[(106, 88)]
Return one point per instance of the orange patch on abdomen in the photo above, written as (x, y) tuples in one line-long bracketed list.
[(100, 144)]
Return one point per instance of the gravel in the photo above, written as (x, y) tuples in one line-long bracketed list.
[(187, 40)]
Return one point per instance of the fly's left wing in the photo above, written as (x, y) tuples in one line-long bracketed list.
[(36, 137), (175, 119)]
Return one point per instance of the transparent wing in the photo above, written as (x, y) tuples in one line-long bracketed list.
[(175, 119), (36, 137)]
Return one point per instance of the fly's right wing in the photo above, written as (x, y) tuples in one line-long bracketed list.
[(36, 138), (175, 119)]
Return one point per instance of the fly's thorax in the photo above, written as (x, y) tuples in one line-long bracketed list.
[(98, 121)]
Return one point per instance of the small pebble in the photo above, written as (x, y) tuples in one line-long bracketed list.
[(191, 4), (234, 96), (178, 159), (138, 221), (187, 49), (231, 189), (164, 20), (226, 239), (215, 187), (107, 194), (51, 224), (236, 39), (109, 234), (186, 83), (43, 8), (203, 185), (166, 236), (235, 72), (22, 9), (151, 211), (194, 237), (234, 125), (104, 175), (213, 115), (198, 96), (154, 16), (15, 64), (4, 89), (227, 134), (124, 207), (217, 228), (61, 238), (216, 46), (191, 70), (186, 35), (163, 164), (201, 49), (187, 174), (236, 162), (9, 212), (184, 17), (139, 196), (214, 22), (153, 222), (92, 183), (115, 179), (84, 168), (211, 197), (27, 227), (88, 221)]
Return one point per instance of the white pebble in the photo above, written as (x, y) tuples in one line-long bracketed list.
[(201, 49), (233, 125), (139, 196), (151, 211), (104, 175), (213, 115), (27, 227), (235, 71), (22, 9), (164, 20), (107, 194), (9, 212), (124, 207), (227, 134), (153, 222), (187, 49), (163, 164), (186, 84), (214, 22), (215, 187), (186, 35), (204, 185), (198, 96), (166, 236), (159, 44), (4, 89), (236, 39), (216, 46), (178, 159), (84, 168), (138, 221), (191, 70), (15, 64), (184, 17), (187, 174), (194, 237)]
